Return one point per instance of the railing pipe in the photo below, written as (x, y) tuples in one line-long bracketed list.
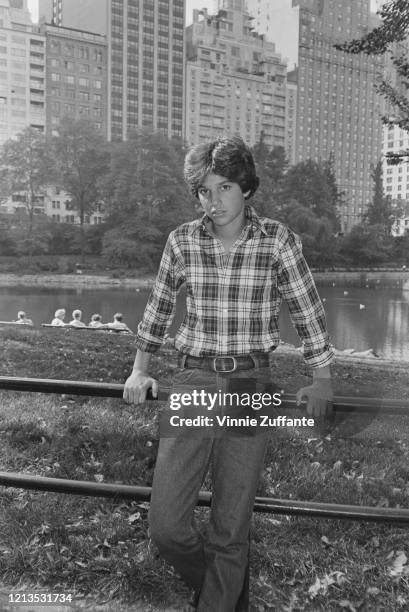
[(262, 504), (75, 387)]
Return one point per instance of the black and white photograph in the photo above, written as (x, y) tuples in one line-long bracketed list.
[(204, 305)]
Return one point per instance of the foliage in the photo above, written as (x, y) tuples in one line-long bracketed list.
[(82, 159), (379, 211), (367, 245), (26, 167), (390, 39), (145, 197), (313, 186), (134, 245), (400, 252), (317, 235), (271, 165)]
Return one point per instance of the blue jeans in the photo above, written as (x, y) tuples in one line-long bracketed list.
[(216, 564)]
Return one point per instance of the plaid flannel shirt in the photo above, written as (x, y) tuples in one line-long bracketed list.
[(233, 299)]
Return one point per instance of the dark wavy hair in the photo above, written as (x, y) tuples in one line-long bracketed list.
[(228, 157)]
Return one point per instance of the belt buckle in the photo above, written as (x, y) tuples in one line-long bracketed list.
[(234, 360)]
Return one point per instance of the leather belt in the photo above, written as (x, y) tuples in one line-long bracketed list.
[(226, 363)]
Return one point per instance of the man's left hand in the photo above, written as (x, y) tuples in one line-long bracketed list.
[(319, 398)]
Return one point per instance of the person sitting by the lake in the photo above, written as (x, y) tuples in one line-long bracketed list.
[(76, 319), (96, 321), (59, 316), (22, 318), (118, 324)]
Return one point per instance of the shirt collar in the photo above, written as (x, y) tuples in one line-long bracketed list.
[(255, 222)]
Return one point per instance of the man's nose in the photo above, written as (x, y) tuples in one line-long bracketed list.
[(215, 198)]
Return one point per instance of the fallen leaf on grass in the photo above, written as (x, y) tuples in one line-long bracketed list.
[(397, 567), (144, 505), (50, 557), (134, 517), (345, 603), (325, 541), (372, 591), (99, 477), (321, 586), (274, 522)]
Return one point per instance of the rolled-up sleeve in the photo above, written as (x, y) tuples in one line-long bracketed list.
[(297, 288), (160, 309)]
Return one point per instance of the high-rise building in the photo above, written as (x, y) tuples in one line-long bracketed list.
[(396, 140), (338, 109), (76, 76), (22, 71), (235, 80), (277, 20), (145, 58), (291, 116)]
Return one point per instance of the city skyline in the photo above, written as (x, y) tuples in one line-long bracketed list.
[(285, 45)]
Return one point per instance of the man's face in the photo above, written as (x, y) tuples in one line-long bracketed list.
[(222, 199)]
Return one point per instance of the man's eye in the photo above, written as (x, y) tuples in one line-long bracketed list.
[(226, 187)]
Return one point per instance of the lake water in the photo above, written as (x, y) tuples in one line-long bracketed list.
[(359, 317)]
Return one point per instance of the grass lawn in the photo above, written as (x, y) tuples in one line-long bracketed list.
[(99, 549)]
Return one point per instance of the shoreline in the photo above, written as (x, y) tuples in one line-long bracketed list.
[(346, 358), (147, 281), (74, 280)]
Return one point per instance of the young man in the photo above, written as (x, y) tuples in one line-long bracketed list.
[(236, 267)]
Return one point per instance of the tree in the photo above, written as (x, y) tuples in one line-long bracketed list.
[(390, 39), (379, 211), (317, 235), (82, 159), (26, 167), (145, 197), (312, 185), (271, 165), (367, 245)]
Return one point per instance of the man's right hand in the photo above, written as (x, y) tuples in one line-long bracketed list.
[(137, 385)]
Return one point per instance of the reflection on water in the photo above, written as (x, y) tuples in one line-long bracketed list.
[(372, 316)]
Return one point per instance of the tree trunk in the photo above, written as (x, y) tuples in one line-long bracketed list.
[(30, 227), (82, 233)]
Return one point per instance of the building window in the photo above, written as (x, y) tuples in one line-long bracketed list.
[(68, 49), (83, 53)]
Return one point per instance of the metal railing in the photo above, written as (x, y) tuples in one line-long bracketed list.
[(262, 504)]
